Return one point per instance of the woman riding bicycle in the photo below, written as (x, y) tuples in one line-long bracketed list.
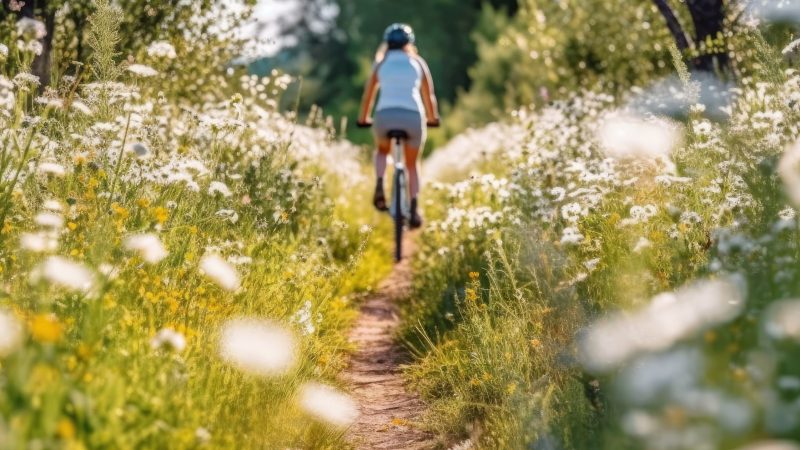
[(407, 103)]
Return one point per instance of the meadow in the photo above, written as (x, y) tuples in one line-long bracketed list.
[(184, 250), (617, 272), (153, 249)]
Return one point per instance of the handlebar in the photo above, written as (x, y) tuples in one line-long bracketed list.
[(430, 124)]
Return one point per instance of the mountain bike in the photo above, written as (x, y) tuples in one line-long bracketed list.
[(400, 206)]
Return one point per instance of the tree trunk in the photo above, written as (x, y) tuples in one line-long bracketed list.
[(708, 17)]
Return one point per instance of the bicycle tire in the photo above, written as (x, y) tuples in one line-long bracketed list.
[(397, 194)]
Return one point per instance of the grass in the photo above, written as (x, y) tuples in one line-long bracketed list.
[(504, 310)]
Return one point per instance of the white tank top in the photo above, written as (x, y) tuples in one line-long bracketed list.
[(400, 76)]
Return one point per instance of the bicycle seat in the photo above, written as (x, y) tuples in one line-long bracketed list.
[(397, 134)]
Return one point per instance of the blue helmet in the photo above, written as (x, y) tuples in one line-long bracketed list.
[(398, 35)]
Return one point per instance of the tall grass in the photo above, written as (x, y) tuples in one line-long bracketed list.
[(137, 226), (618, 279)]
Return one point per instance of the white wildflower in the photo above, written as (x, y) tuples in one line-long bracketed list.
[(10, 333), (31, 29), (220, 271), (161, 49), (53, 205), (51, 168), (670, 317), (789, 170), (65, 273), (218, 187), (142, 70), (49, 220), (626, 136), (148, 246), (258, 347), (38, 242), (328, 404), (169, 339)]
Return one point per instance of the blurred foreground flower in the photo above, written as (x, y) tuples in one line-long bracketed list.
[(65, 273), (220, 271), (259, 347), (789, 170), (628, 136), (328, 404), (10, 333), (669, 318), (148, 246)]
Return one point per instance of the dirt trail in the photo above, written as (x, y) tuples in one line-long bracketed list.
[(388, 408)]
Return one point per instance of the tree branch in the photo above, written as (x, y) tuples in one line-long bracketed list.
[(672, 23)]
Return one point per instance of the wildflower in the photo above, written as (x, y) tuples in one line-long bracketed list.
[(142, 70), (642, 244), (782, 320), (65, 273), (3, 52), (328, 404), (148, 246), (160, 214), (53, 205), (669, 317), (161, 49), (258, 347), (38, 242), (51, 168), (46, 328), (31, 29), (49, 220), (626, 136), (10, 333), (169, 339), (202, 435), (217, 187), (571, 236), (474, 275), (303, 318), (789, 170), (220, 271)]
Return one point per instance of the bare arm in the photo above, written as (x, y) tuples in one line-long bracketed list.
[(428, 95), (367, 99)]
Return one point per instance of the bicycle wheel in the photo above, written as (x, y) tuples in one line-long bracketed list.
[(397, 199)]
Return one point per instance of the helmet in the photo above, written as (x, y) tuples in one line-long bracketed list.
[(397, 35)]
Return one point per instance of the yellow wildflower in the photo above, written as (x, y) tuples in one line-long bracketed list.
[(473, 276), (46, 328), (160, 214), (65, 429), (143, 203), (471, 294)]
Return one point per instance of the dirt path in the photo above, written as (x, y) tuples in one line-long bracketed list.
[(388, 409)]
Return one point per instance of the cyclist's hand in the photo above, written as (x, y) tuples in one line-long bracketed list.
[(364, 123), (434, 123)]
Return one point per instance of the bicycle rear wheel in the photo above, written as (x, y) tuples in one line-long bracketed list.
[(397, 199)]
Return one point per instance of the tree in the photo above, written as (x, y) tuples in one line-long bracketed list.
[(708, 54)]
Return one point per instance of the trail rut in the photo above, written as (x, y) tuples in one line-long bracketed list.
[(388, 408)]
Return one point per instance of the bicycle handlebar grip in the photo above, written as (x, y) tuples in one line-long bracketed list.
[(434, 124), (363, 124)]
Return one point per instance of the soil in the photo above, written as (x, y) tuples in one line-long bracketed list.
[(389, 409)]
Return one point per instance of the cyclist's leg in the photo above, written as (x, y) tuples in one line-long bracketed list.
[(412, 167), (382, 148)]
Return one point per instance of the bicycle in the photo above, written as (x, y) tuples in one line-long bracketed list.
[(400, 206)]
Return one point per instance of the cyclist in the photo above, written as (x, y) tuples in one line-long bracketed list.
[(407, 102)]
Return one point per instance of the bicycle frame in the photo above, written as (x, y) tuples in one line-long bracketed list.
[(399, 209)]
